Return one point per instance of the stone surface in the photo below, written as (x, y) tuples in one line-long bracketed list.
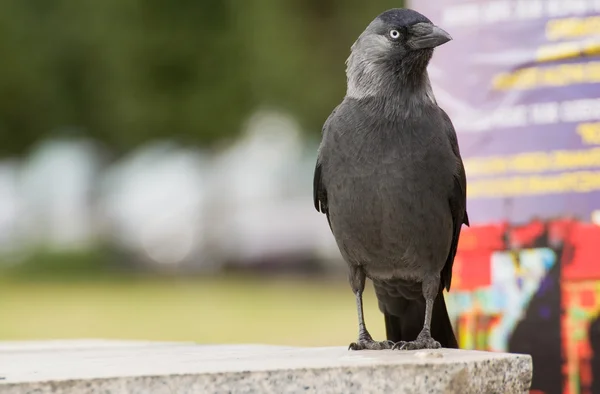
[(97, 366)]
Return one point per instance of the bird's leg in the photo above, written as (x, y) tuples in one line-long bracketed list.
[(424, 339), (365, 341)]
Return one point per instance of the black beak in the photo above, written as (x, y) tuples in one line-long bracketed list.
[(433, 37)]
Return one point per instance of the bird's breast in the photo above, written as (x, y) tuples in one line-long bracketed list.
[(389, 212)]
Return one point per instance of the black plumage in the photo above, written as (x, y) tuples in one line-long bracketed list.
[(390, 179)]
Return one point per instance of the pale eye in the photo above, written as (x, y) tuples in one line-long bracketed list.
[(394, 34)]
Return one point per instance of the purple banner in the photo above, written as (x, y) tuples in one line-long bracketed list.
[(521, 82)]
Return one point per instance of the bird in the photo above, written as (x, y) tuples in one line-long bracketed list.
[(391, 181)]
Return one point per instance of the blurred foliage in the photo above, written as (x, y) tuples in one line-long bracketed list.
[(127, 71), (46, 263)]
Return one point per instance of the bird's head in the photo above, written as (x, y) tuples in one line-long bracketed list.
[(398, 43)]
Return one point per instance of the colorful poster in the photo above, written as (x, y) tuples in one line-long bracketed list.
[(521, 82)]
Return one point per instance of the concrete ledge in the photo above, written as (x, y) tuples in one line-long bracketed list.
[(97, 366)]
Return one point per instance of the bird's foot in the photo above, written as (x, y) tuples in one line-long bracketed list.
[(422, 342), (369, 344)]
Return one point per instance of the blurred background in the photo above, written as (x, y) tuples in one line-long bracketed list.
[(156, 163)]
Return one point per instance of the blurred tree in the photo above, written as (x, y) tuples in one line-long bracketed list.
[(128, 71), (299, 48)]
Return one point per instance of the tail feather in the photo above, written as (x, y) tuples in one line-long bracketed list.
[(406, 322)]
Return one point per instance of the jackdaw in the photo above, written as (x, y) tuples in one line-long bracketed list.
[(390, 179)]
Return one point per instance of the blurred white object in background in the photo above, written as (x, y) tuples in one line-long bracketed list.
[(246, 185), (173, 207), (261, 208), (153, 201), (54, 187)]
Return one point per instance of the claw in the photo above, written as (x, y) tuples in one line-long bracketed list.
[(418, 344), (399, 345), (370, 344)]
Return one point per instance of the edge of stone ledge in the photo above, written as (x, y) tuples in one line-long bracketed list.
[(81, 344), (503, 372)]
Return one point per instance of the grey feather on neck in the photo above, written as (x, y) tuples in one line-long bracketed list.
[(363, 67), (369, 74)]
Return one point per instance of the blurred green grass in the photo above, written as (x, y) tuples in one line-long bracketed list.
[(303, 312)]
